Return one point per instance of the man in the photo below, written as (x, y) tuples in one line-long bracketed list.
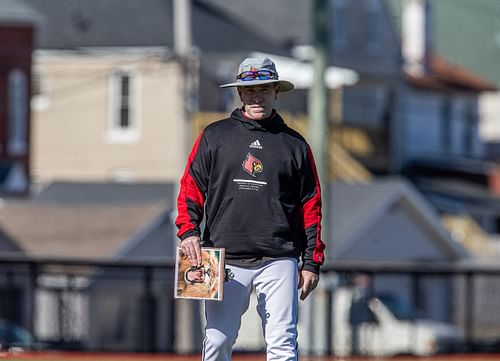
[(255, 181)]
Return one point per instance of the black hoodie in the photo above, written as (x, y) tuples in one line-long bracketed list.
[(258, 185)]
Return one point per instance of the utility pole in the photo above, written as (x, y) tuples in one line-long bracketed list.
[(189, 65), (318, 94), (187, 313), (318, 134)]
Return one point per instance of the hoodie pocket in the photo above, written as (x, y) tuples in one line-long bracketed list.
[(250, 216)]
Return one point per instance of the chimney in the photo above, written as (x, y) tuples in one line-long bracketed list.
[(415, 36)]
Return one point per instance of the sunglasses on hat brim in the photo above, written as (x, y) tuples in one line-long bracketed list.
[(257, 75)]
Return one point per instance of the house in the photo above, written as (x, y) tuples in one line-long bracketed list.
[(17, 28), (451, 26), (415, 102), (388, 220), (99, 219), (416, 105), (111, 99)]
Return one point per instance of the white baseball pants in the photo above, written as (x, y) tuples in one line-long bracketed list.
[(277, 302)]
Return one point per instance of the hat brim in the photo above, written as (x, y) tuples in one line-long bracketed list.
[(285, 85)]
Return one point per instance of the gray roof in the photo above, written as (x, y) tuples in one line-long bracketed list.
[(86, 231), (132, 23), (217, 29), (73, 24), (81, 193), (12, 11), (284, 21), (8, 245), (91, 220), (356, 208)]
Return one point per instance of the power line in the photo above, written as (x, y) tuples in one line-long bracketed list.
[(88, 79)]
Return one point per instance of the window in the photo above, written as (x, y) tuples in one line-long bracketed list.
[(39, 100), (339, 25), (17, 112), (446, 125), (123, 122), (372, 29), (36, 83), (470, 130)]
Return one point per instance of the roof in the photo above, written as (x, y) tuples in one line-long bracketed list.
[(68, 25), (86, 220), (459, 196), (95, 193), (357, 208), (75, 231), (16, 12), (132, 23), (216, 29), (442, 75), (287, 22), (7, 244)]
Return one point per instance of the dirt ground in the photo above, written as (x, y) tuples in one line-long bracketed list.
[(71, 356)]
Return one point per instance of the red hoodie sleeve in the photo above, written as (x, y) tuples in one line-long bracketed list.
[(313, 256), (193, 184)]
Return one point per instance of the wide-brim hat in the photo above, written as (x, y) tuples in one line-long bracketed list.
[(255, 65)]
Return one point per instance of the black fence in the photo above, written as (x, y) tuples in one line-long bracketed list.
[(87, 305), (128, 306), (459, 301)]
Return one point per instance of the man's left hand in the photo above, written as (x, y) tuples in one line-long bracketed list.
[(307, 283)]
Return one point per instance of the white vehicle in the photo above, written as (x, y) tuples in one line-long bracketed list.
[(385, 326)]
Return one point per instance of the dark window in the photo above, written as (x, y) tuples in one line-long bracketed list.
[(124, 91)]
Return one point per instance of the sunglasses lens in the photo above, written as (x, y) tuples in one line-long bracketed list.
[(252, 75), (264, 75)]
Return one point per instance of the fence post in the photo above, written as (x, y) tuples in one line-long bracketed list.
[(469, 308), (149, 312), (329, 321), (32, 306)]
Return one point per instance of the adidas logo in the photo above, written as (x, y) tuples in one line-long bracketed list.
[(255, 144)]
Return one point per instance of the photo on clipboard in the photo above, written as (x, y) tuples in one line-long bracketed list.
[(203, 282)]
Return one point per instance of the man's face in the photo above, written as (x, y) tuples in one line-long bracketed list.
[(258, 101)]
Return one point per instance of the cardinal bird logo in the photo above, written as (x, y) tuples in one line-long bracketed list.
[(252, 165)]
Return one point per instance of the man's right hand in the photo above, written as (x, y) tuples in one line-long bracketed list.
[(191, 248)]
